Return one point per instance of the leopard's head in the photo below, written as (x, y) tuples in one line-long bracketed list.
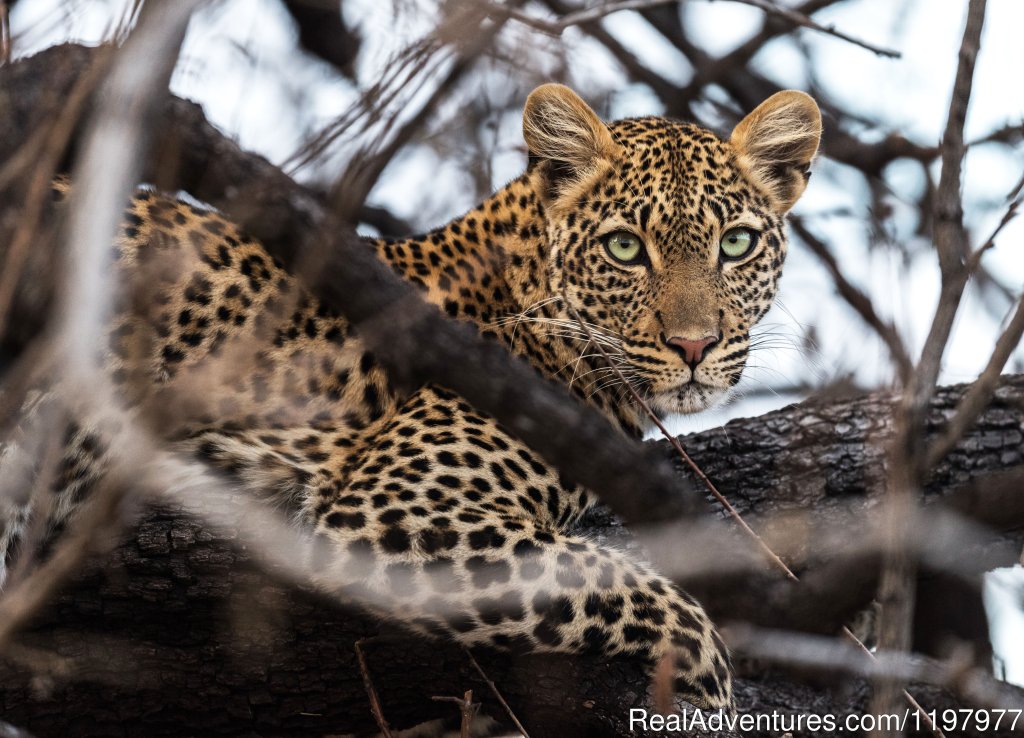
[(666, 240)]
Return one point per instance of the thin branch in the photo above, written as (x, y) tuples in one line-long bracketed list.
[(799, 19), (977, 398), (371, 691), (589, 15), (467, 709), (5, 33), (974, 262), (857, 300), (896, 591), (979, 395), (111, 148), (951, 243), (52, 144), (678, 446), (825, 654), (575, 18), (497, 694)]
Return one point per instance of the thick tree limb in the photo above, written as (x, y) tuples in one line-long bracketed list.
[(182, 631)]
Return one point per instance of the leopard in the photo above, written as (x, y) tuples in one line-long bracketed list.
[(629, 263)]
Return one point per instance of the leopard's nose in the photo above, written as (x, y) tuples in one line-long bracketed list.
[(693, 350)]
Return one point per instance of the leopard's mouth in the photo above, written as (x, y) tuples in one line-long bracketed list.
[(688, 398)]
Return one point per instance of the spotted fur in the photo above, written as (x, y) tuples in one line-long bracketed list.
[(423, 506)]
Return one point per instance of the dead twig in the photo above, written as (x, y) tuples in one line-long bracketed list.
[(52, 143), (111, 149), (733, 513), (799, 19), (467, 707), (589, 15), (974, 262), (5, 33), (857, 300), (663, 687), (95, 526), (497, 694), (951, 242), (824, 654), (896, 589), (979, 395), (371, 691)]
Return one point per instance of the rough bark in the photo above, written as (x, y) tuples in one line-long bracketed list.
[(180, 632)]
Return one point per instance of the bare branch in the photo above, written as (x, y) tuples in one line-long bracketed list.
[(857, 300), (5, 33), (598, 12), (829, 656), (371, 691), (979, 395), (799, 19), (896, 589), (497, 694), (112, 148), (951, 243)]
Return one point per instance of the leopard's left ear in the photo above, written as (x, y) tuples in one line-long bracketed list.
[(775, 145), (564, 135)]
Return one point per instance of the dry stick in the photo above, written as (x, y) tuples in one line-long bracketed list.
[(5, 33), (896, 589), (678, 446), (663, 688), (856, 299), (588, 15), (371, 691), (98, 523), (817, 652), (1016, 200), (977, 398), (466, 707), (497, 694), (351, 190), (112, 145), (53, 143), (950, 234), (799, 19)]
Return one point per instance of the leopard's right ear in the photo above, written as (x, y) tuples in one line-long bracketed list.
[(776, 143), (564, 135)]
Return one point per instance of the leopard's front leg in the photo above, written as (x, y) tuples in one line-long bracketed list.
[(505, 583), (451, 525)]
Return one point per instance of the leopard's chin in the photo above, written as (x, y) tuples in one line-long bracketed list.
[(689, 398)]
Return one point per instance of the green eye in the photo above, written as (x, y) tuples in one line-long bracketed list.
[(738, 242), (624, 247)]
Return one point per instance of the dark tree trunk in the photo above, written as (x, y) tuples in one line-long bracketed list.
[(179, 632)]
